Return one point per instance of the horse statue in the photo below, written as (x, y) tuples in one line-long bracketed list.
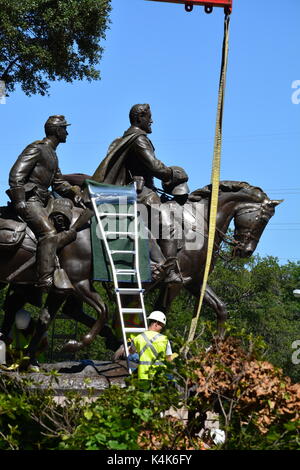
[(76, 260), (249, 208)]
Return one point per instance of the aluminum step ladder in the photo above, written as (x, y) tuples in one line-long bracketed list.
[(123, 196)]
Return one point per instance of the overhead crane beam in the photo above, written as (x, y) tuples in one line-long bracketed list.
[(208, 4)]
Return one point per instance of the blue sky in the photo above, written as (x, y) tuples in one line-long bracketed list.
[(157, 53)]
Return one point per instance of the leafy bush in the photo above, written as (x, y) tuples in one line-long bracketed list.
[(258, 406), (119, 417), (30, 419)]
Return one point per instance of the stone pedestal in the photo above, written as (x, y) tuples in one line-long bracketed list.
[(88, 378)]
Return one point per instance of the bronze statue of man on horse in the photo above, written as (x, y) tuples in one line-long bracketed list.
[(131, 158), (34, 172), (42, 235)]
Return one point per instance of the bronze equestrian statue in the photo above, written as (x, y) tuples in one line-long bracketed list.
[(65, 242), (132, 158), (35, 170), (249, 207)]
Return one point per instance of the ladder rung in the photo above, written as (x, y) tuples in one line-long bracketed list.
[(119, 233), (130, 252), (114, 214), (134, 330), (126, 271), (124, 291), (132, 310)]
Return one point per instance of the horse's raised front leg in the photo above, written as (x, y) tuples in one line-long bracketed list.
[(86, 293)]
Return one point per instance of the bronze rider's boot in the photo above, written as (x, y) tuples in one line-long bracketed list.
[(45, 258)]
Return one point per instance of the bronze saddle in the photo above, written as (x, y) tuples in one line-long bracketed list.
[(12, 229)]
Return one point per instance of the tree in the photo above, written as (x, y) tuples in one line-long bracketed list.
[(259, 296), (48, 40)]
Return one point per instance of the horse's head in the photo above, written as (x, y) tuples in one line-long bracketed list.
[(250, 221)]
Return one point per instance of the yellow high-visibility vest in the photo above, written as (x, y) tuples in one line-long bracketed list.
[(151, 347)]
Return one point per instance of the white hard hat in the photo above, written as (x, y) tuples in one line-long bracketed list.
[(158, 316), (218, 436), (22, 319)]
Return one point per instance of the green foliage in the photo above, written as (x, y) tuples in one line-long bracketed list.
[(284, 436), (257, 405), (263, 315), (116, 418), (30, 418), (258, 294), (46, 40)]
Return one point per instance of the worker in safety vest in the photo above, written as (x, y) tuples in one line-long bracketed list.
[(153, 347)]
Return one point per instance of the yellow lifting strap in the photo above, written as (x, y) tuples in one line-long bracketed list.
[(215, 177)]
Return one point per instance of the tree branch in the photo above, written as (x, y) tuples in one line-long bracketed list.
[(10, 65)]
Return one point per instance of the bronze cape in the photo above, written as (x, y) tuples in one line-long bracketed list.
[(129, 156)]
